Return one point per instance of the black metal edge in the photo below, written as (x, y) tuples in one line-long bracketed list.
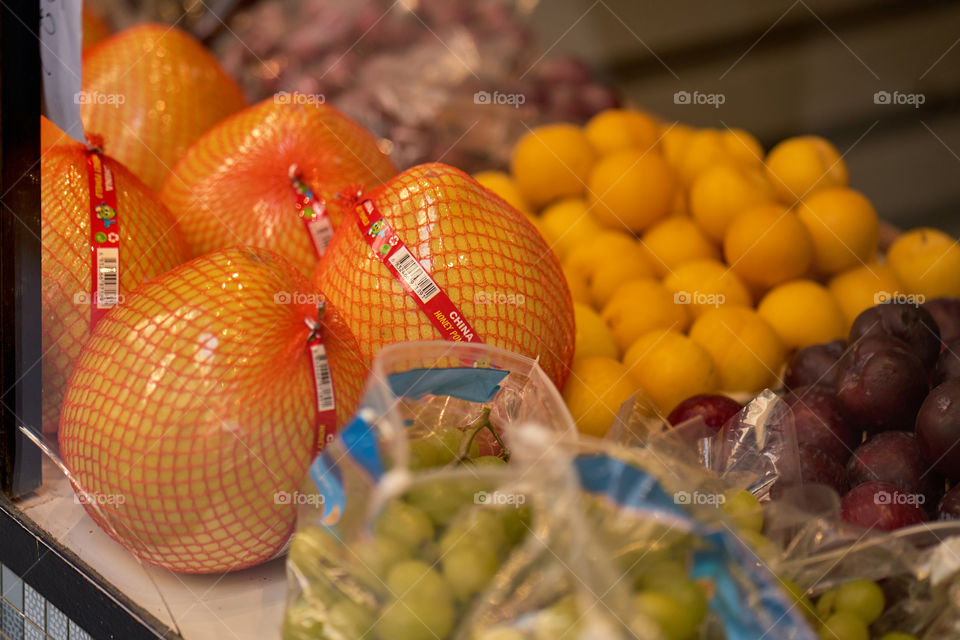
[(70, 584), (20, 309)]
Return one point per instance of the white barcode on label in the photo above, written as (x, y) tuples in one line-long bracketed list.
[(321, 375), (414, 274), (321, 232), (108, 277)]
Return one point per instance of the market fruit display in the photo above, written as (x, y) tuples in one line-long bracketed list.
[(235, 184), (483, 254), (150, 91), (150, 245), (193, 406), (759, 255)]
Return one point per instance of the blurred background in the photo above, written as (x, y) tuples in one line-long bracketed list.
[(881, 79)]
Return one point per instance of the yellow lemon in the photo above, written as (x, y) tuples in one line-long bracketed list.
[(674, 241), (799, 166), (927, 262), (724, 190), (767, 245), (704, 149), (615, 130), (577, 282), (592, 337), (550, 162), (641, 306), (844, 228), (674, 138), (594, 392), (606, 260), (706, 284), (631, 190), (743, 147), (670, 367), (747, 351), (803, 313), (504, 186), (862, 287), (566, 224)]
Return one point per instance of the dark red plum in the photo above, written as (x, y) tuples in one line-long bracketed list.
[(880, 385), (949, 507), (880, 505), (819, 467), (948, 365), (813, 365), (714, 409), (938, 429), (946, 312), (895, 457), (910, 323), (820, 422)]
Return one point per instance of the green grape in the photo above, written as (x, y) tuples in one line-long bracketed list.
[(424, 453), (373, 557), (405, 523), (744, 510), (691, 596), (440, 501), (825, 603), (560, 620), (662, 572), (898, 635), (844, 626), (862, 598), (302, 621), (498, 633), (516, 523), (309, 547), (469, 569), (800, 597), (415, 618), (490, 461), (668, 613), (421, 607), (761, 544), (351, 619)]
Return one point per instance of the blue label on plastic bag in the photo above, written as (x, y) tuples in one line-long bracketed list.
[(751, 608), (466, 383), (360, 441), (328, 479)]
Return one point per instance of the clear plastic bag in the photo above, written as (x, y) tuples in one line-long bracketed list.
[(562, 541)]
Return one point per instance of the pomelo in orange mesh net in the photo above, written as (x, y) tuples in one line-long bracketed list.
[(483, 253), (150, 91), (149, 245), (233, 186), (195, 402)]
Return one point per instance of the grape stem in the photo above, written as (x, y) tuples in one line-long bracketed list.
[(470, 434)]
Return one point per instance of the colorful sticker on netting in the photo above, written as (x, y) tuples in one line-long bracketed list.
[(323, 384), (313, 213), (393, 253), (104, 239)]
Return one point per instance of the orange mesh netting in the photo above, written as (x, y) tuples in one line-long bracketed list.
[(486, 256), (149, 245), (172, 90), (195, 402), (233, 186)]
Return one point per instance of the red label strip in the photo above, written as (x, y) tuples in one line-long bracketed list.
[(419, 285), (104, 239), (313, 214), (323, 383)]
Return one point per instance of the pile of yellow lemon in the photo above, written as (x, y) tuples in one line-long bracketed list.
[(698, 263)]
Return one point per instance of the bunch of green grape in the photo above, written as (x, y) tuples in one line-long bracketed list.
[(846, 612)]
